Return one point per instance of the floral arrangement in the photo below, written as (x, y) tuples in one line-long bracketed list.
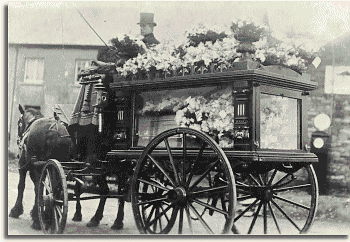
[(247, 30), (204, 46), (203, 34), (214, 116), (128, 45), (289, 56), (166, 105)]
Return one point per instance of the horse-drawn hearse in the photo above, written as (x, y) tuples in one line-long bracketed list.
[(200, 150)]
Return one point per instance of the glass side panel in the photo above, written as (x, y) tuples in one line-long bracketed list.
[(279, 122), (209, 109)]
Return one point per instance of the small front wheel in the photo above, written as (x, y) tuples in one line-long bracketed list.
[(53, 198), (183, 184)]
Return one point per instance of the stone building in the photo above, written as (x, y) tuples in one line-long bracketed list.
[(333, 98)]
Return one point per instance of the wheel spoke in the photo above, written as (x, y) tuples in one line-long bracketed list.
[(245, 210), (150, 214), (58, 209), (184, 158), (177, 179), (56, 220), (254, 180), (291, 202), (58, 202), (211, 190), (223, 204), (282, 179), (291, 188), (157, 217), (254, 219), (155, 223), (243, 190), (161, 169), (181, 220), (48, 177), (204, 174), (154, 184), (195, 164), (166, 216), (241, 184), (261, 180), (242, 198), (272, 177), (274, 218), (152, 201), (205, 225), (48, 189), (290, 220), (265, 218), (189, 219), (210, 207)]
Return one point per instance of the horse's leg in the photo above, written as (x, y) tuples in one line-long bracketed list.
[(34, 175), (118, 223), (123, 189), (104, 190), (17, 210), (77, 191)]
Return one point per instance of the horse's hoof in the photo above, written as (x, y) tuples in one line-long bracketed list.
[(15, 212), (77, 218), (117, 226), (234, 229), (93, 223), (36, 226)]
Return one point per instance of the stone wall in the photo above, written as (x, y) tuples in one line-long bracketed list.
[(338, 108)]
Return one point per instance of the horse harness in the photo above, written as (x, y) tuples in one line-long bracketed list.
[(23, 139)]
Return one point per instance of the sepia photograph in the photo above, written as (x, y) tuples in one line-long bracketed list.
[(179, 118)]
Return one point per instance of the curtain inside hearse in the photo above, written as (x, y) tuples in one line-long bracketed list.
[(158, 111)]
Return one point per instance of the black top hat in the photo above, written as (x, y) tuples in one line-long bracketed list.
[(147, 18)]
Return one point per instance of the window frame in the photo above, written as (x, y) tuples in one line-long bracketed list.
[(301, 112), (26, 71), (76, 71)]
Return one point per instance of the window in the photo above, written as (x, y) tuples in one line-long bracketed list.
[(341, 82), (34, 71), (279, 120), (209, 109), (80, 65)]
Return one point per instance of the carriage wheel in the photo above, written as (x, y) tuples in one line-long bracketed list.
[(181, 187), (53, 198), (276, 202)]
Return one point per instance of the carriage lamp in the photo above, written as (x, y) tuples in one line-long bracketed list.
[(320, 145), (101, 101)]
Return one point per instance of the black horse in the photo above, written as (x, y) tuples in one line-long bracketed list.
[(43, 139), (39, 139), (91, 147)]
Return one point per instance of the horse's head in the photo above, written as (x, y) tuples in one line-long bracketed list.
[(27, 117), (21, 125)]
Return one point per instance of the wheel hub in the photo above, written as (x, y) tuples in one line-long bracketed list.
[(177, 195), (264, 193), (48, 199)]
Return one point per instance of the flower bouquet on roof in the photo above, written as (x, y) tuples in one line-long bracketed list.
[(247, 30)]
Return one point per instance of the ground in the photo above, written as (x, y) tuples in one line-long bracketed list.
[(333, 216)]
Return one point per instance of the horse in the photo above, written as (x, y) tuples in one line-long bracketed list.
[(34, 135), (39, 139), (92, 147)]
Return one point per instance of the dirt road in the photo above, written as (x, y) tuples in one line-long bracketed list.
[(21, 226)]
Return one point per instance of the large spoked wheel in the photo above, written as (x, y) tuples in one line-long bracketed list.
[(281, 201), (53, 198), (183, 184)]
